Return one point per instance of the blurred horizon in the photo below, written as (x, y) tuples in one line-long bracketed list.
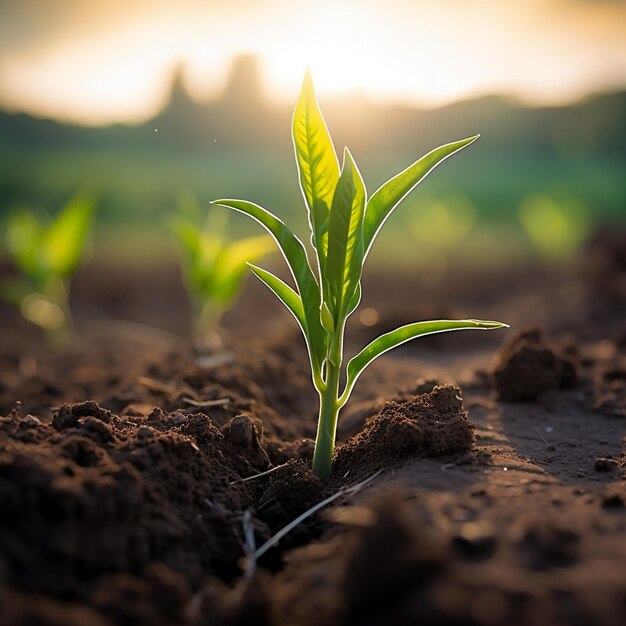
[(92, 63), (244, 82), (547, 171)]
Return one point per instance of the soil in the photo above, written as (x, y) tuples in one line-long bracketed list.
[(495, 462)]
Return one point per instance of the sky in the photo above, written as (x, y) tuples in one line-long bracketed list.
[(102, 61)]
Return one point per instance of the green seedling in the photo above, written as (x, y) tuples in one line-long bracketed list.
[(557, 230), (214, 268), (439, 228), (46, 251), (344, 223), (443, 225)]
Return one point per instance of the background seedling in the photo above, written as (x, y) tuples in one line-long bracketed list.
[(344, 223), (46, 251), (214, 268), (556, 229), (440, 228)]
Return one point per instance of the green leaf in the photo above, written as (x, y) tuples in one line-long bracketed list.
[(355, 300), (231, 265), (64, 241), (388, 196), (345, 238), (401, 335), (293, 303), (199, 252), (297, 261), (24, 232), (187, 235), (216, 223), (284, 293), (317, 165), (14, 290)]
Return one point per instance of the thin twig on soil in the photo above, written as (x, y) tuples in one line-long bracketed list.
[(249, 544), (273, 541), (205, 403), (209, 361), (255, 476), (156, 386)]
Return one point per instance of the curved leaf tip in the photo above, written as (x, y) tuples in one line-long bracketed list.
[(397, 337)]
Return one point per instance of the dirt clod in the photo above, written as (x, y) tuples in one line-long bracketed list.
[(602, 464), (544, 544), (475, 540), (613, 501), (429, 425), (609, 385), (69, 415), (529, 365), (293, 489), (245, 435)]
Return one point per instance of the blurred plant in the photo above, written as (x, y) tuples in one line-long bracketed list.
[(443, 224), (46, 251), (557, 230), (439, 228), (343, 224), (214, 268)]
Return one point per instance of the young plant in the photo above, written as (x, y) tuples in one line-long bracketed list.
[(213, 267), (46, 251), (344, 223), (556, 229), (439, 228)]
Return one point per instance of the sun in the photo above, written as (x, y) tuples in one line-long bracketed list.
[(332, 40)]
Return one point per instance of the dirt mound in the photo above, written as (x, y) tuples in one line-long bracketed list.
[(95, 493), (530, 365), (431, 424)]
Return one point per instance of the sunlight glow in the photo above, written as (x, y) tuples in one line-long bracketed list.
[(114, 63)]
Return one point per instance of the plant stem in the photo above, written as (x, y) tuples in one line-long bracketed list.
[(206, 321), (327, 422), (59, 337), (58, 332)]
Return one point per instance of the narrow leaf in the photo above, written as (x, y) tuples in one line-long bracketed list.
[(284, 293), (187, 235), (388, 196), (295, 255), (345, 238), (231, 265), (64, 242), (355, 300), (401, 335), (24, 234), (293, 303), (317, 164)]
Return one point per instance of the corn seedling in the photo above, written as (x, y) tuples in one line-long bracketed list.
[(213, 267), (344, 223), (443, 225), (557, 230), (46, 251), (439, 228)]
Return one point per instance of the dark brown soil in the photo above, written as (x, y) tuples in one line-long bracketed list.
[(529, 366), (501, 497), (433, 424)]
